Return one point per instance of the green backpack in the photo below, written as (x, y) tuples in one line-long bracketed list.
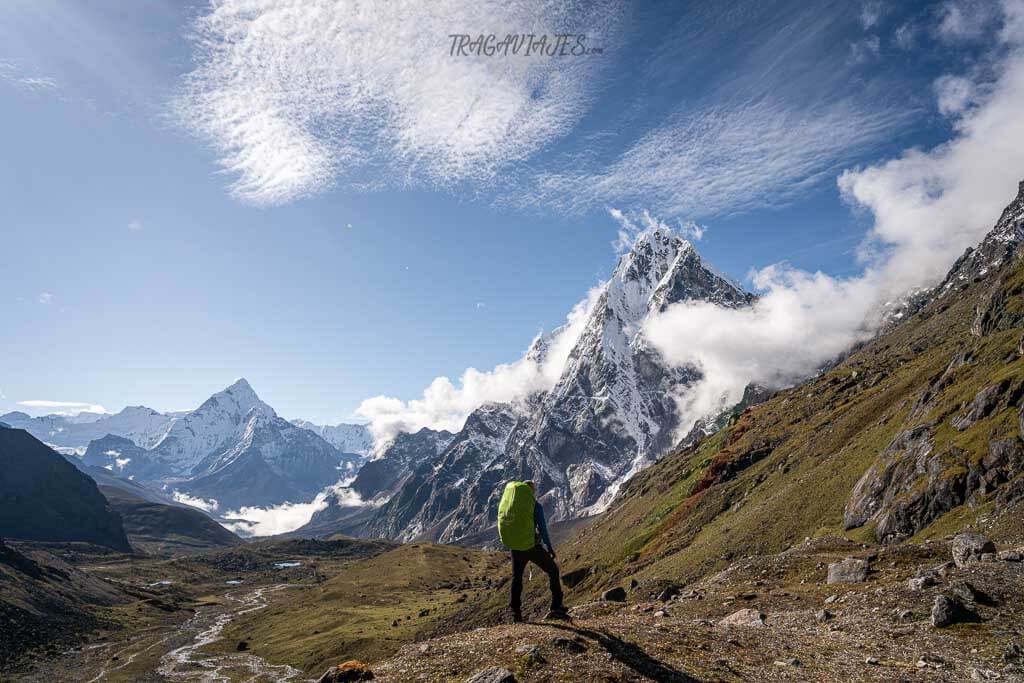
[(515, 516)]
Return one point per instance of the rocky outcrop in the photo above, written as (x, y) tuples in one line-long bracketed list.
[(968, 548), (850, 570)]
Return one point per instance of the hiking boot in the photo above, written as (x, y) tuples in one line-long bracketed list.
[(517, 617), (558, 614)]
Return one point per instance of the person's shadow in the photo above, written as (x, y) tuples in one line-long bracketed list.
[(631, 655)]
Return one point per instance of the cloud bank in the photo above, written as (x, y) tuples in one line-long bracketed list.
[(446, 406), (928, 207), (294, 95), (280, 519)]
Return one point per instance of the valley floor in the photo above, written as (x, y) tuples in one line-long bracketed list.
[(879, 629)]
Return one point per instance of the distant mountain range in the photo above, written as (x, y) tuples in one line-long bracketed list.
[(233, 449)]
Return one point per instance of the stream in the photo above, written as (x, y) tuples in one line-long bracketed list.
[(188, 663)]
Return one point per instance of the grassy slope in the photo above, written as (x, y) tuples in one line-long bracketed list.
[(687, 516), (351, 615)]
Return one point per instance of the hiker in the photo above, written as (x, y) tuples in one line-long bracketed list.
[(522, 528)]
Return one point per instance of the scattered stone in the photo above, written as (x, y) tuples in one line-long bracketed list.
[(352, 670), (633, 583), (617, 594), (495, 674), (661, 613), (987, 557), (947, 611), (823, 615), (830, 599), (424, 613), (745, 617), (850, 570), (904, 615), (968, 548), (242, 646), (871, 660), (919, 583), (984, 675), (425, 648), (1010, 555), (531, 654)]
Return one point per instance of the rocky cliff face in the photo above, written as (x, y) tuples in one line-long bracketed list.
[(961, 440)]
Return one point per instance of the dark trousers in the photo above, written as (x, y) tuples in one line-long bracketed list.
[(540, 557)]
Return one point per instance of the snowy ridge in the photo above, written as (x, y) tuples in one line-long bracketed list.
[(347, 438)]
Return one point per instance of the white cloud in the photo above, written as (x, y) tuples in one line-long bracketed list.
[(64, 407), (16, 76), (121, 462), (928, 206), (446, 406), (296, 94), (280, 519), (954, 94), (871, 14), (135, 225), (207, 504), (633, 224), (966, 19), (725, 158), (45, 297)]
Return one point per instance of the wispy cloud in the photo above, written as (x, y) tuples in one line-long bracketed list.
[(45, 297), (726, 158), (12, 74), (966, 19), (871, 14), (296, 95), (64, 407)]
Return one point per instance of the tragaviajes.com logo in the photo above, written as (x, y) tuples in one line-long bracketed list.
[(522, 44)]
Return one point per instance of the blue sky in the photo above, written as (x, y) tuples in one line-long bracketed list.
[(155, 250)]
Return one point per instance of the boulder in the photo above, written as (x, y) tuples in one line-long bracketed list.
[(823, 615), (969, 548), (850, 570), (617, 594), (919, 583), (745, 617), (495, 674), (965, 591), (1010, 555), (947, 611), (352, 670)]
